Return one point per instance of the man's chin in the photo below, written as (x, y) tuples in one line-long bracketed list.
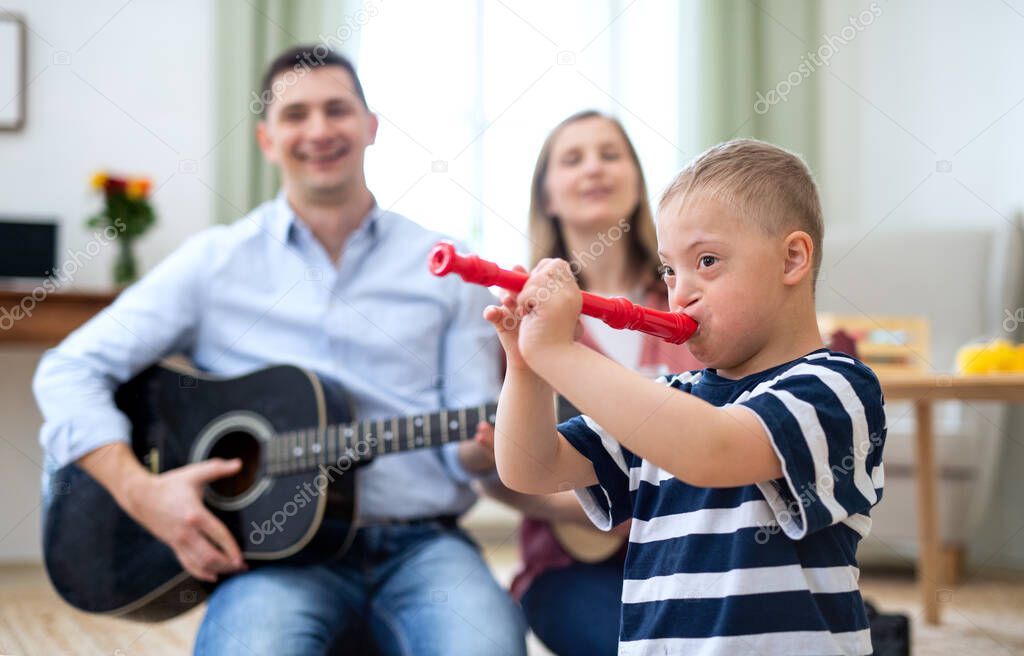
[(325, 187)]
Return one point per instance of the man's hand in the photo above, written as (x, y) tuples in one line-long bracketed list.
[(170, 506), (477, 455)]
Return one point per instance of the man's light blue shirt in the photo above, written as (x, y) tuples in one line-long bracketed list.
[(264, 291)]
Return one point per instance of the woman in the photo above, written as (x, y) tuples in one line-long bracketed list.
[(589, 206)]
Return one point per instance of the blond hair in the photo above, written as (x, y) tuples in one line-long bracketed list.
[(759, 180), (545, 231)]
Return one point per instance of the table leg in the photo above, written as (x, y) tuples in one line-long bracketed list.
[(928, 570)]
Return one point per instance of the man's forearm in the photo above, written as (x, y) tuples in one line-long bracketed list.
[(115, 467)]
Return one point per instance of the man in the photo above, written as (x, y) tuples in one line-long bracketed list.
[(322, 278)]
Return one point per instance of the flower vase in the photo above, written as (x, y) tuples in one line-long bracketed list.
[(125, 269)]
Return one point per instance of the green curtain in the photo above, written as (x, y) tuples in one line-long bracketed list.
[(749, 49), (248, 35)]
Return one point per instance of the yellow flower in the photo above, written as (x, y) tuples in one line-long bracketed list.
[(136, 188), (99, 180)]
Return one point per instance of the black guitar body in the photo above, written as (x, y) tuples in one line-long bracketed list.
[(100, 560)]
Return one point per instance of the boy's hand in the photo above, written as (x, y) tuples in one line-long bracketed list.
[(549, 305), (506, 323)]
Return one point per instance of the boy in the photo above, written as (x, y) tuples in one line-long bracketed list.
[(749, 491)]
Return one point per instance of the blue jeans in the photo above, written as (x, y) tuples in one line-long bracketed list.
[(413, 589), (575, 610)]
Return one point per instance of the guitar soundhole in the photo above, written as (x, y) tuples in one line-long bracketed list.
[(237, 444)]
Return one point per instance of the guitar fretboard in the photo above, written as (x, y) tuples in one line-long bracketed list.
[(340, 446)]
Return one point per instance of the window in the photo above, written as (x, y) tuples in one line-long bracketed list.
[(465, 99)]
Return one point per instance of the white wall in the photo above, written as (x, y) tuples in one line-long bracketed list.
[(122, 87), (929, 82), (133, 97), (925, 82)]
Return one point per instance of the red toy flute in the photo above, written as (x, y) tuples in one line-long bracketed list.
[(617, 312)]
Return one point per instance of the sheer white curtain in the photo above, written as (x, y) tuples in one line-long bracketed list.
[(249, 34), (465, 98)]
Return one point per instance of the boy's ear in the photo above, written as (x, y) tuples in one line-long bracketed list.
[(799, 252)]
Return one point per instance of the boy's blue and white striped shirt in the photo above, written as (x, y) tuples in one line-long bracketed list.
[(760, 569)]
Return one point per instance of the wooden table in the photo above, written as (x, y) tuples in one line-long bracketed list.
[(30, 315), (923, 389)]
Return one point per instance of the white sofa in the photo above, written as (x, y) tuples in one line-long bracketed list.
[(964, 281)]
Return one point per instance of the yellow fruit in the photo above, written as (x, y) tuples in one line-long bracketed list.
[(998, 355)]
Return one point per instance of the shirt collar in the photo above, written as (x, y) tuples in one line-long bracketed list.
[(284, 221)]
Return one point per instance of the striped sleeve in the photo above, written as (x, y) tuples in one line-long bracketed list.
[(826, 421), (608, 503)]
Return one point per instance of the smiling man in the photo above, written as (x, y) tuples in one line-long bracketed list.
[(323, 278)]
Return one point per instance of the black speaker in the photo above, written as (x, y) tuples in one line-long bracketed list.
[(890, 633), (27, 249)]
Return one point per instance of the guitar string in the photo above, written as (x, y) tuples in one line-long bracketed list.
[(362, 430)]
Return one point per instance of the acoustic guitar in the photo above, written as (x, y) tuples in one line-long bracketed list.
[(586, 543), (294, 499)]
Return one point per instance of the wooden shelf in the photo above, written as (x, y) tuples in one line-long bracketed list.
[(45, 321)]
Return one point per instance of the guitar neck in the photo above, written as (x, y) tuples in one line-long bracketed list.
[(341, 446)]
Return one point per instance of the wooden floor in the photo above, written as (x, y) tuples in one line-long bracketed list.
[(33, 620), (983, 615)]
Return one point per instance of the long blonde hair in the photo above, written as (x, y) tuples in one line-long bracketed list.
[(545, 231)]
